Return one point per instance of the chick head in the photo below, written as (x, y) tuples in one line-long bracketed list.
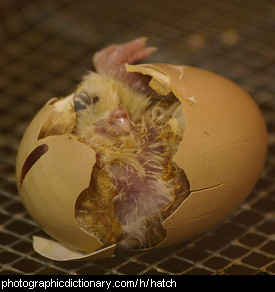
[(99, 107)]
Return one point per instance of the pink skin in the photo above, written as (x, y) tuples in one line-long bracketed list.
[(118, 123)]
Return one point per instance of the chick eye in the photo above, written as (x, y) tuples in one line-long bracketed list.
[(81, 101), (95, 99)]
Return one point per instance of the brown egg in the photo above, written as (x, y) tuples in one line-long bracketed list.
[(222, 153)]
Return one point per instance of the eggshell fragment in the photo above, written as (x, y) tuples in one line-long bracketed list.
[(222, 153), (58, 252), (51, 186)]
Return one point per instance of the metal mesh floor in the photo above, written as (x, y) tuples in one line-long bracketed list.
[(46, 46)]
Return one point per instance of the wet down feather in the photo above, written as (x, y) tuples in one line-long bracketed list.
[(134, 184)]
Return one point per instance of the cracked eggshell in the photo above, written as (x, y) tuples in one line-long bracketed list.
[(49, 185), (222, 154), (223, 149)]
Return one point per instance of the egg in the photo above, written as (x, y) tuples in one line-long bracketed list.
[(222, 153)]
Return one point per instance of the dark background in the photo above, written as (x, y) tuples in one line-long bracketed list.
[(45, 48)]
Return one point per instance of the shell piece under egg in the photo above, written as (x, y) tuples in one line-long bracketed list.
[(222, 153)]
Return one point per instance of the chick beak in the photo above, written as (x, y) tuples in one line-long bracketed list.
[(119, 121)]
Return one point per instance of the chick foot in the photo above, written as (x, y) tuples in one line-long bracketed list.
[(112, 61)]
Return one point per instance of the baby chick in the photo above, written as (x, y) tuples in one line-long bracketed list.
[(134, 181), (135, 133)]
